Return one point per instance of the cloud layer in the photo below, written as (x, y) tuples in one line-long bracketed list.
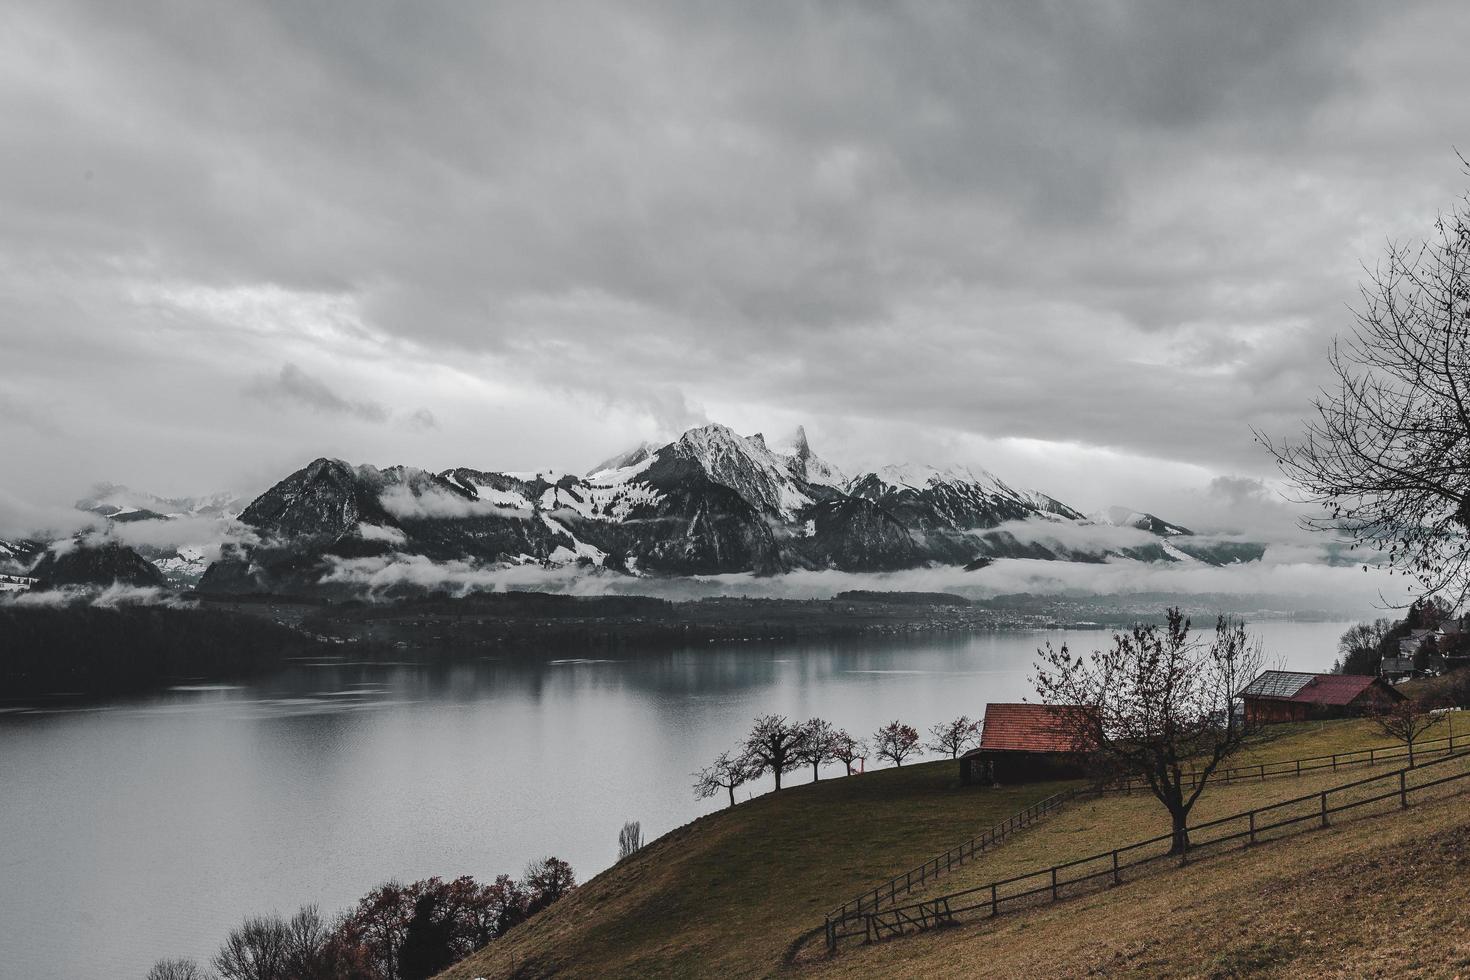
[(1085, 245)]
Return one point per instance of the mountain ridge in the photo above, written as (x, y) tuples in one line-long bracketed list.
[(711, 502)]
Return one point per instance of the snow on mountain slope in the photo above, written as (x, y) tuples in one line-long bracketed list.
[(762, 478), (16, 557), (624, 460), (807, 465), (931, 499), (1050, 508), (1127, 517)]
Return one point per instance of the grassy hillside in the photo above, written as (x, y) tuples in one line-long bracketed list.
[(737, 893), (729, 893)]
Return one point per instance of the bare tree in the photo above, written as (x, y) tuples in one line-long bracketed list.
[(816, 745), (953, 737), (1388, 453), (268, 947), (179, 969), (259, 949), (1157, 704), (847, 750), (772, 744), (895, 742), (1406, 721), (725, 773), (630, 839)]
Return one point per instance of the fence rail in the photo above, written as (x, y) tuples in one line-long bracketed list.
[(1106, 868), (1443, 745), (904, 883)]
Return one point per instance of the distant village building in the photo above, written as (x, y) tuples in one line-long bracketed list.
[(1409, 645), (1289, 695), (1024, 743), (1452, 642), (1394, 669)]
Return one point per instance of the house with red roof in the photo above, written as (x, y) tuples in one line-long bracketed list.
[(1022, 743), (1289, 695)]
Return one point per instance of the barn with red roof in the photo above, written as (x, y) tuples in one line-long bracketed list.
[(1022, 743), (1289, 695)]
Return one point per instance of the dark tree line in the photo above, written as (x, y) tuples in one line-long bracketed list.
[(135, 648), (395, 932)]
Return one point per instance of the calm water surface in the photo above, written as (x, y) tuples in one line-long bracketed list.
[(148, 828)]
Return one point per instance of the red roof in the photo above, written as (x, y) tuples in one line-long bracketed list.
[(1329, 689), (1029, 728), (1334, 688)]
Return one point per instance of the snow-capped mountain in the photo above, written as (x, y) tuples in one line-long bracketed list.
[(119, 503), (710, 502), (207, 519)]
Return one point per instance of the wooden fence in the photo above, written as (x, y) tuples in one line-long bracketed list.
[(902, 884), (1107, 867), (1424, 748)]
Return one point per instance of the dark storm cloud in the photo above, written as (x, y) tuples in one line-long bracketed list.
[(1129, 226)]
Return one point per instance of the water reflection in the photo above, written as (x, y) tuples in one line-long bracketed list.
[(151, 826)]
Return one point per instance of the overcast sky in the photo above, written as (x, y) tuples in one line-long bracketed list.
[(1084, 245)]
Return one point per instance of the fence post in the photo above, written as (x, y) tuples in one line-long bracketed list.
[(1053, 883), (994, 907), (1253, 826), (1324, 808), (1116, 879), (1371, 753), (831, 938), (1263, 772), (1298, 767), (1334, 762), (1403, 792)]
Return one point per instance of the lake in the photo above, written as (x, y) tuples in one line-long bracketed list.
[(147, 828)]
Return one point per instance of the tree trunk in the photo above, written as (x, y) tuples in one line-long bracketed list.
[(731, 788), (777, 772), (1411, 753), (1180, 844), (815, 777)]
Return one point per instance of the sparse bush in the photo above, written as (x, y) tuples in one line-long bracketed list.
[(630, 839)]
